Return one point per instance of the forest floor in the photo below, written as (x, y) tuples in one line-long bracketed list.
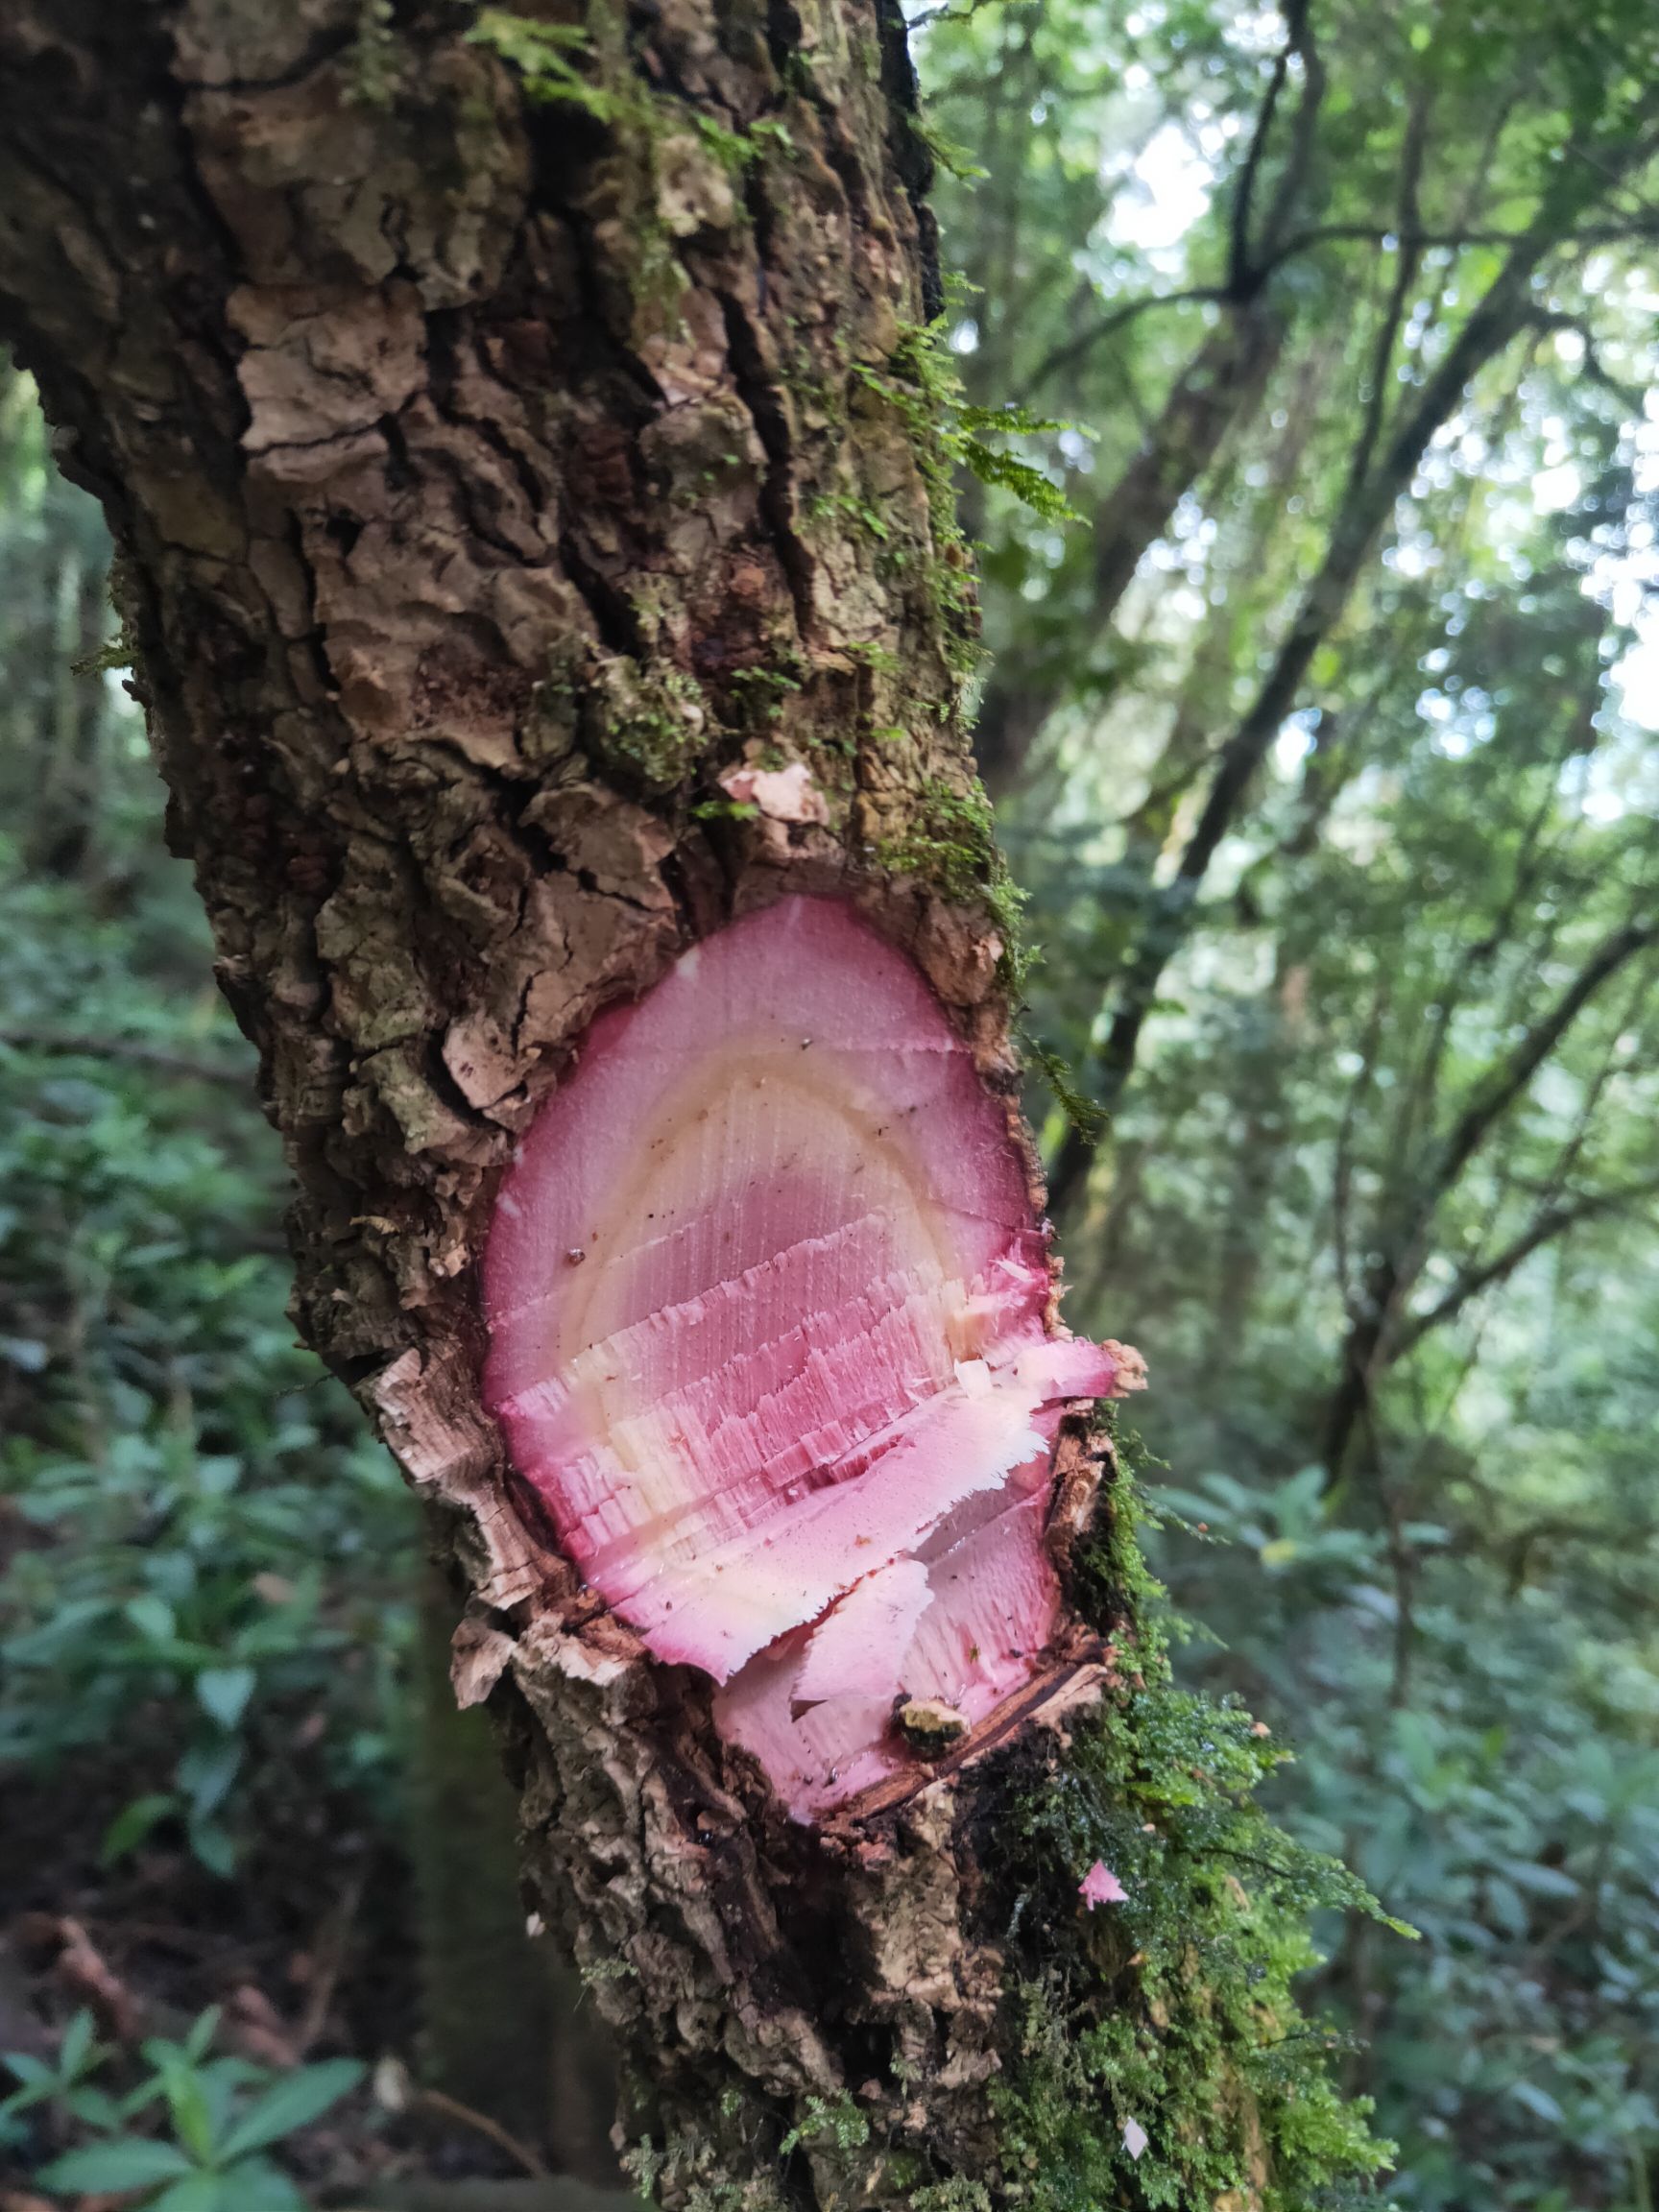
[(312, 1950)]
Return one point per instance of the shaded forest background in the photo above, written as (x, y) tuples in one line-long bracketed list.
[(1324, 745)]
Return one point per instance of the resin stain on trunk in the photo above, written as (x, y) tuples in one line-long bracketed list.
[(771, 1338)]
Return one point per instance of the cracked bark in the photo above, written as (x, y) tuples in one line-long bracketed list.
[(485, 477)]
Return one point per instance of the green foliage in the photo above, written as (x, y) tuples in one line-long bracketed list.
[(966, 439), (953, 2197), (203, 1561), (649, 723), (549, 58), (840, 2124), (921, 381), (196, 1509), (587, 67), (1081, 1111), (374, 57), (1454, 815), (725, 810), (953, 845), (64, 2089), (955, 160), (220, 2115), (738, 150)]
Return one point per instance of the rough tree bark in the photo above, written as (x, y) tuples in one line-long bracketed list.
[(509, 432)]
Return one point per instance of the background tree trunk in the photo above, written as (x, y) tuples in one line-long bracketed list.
[(509, 2030), (1223, 384)]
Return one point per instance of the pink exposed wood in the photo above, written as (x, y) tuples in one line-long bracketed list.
[(771, 1336)]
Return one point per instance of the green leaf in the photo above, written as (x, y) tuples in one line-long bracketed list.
[(192, 2118), (214, 1846), (133, 1824), (139, 2099), (95, 2109), (152, 1618), (205, 1773), (1537, 2102), (725, 810), (293, 2103), (1014, 417), (1029, 485), (77, 2043), (199, 2193), (542, 54), (223, 1692), (256, 2185), (202, 2029), (128, 2162)]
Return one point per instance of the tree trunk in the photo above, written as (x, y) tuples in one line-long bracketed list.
[(1224, 380), (491, 416), (1220, 386), (506, 2028)]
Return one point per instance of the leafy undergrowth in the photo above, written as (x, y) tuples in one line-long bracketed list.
[(221, 2114), (207, 1575), (306, 1958), (202, 1558)]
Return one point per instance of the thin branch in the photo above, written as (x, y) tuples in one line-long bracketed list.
[(1304, 134), (1554, 1223), (1412, 241), (1493, 1098), (1406, 268), (1554, 319), (1473, 957), (1240, 276), (449, 2107), (1082, 342), (1486, 1111), (1343, 1169), (1643, 228)]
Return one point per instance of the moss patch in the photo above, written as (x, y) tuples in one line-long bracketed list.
[(919, 381), (1171, 2013), (650, 723), (1085, 1115), (950, 843)]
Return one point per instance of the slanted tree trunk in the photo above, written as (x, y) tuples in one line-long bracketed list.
[(1221, 385), (537, 555)]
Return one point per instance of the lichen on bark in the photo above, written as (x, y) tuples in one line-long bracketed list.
[(492, 426)]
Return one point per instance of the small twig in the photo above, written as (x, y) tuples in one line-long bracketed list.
[(84, 1966), (481, 2123), (329, 1953), (165, 1933)]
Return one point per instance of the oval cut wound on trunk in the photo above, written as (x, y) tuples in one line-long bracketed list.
[(793, 1415)]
